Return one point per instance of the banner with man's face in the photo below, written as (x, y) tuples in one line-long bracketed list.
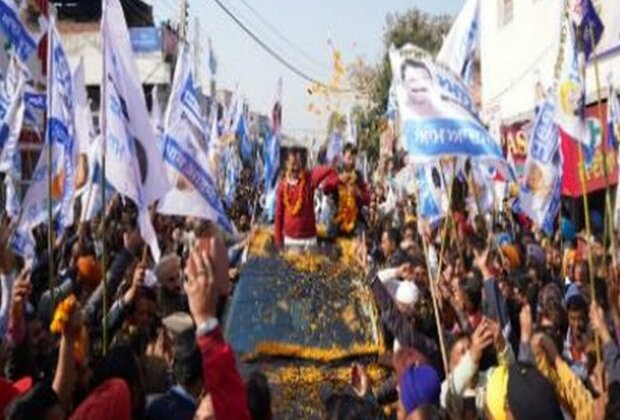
[(437, 113)]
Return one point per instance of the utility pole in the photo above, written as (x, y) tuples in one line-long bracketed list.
[(197, 51), (183, 19)]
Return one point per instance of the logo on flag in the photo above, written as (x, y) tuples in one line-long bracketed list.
[(23, 23)]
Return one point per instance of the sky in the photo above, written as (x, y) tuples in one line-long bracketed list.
[(355, 27)]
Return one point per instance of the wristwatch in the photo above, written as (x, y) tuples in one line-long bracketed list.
[(206, 327)]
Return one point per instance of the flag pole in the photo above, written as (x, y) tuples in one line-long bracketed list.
[(50, 216), (608, 209), (449, 217), (103, 121), (442, 346)]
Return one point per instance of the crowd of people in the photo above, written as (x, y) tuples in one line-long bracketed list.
[(483, 317)]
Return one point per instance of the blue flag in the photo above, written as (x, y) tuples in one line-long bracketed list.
[(245, 143), (271, 154), (592, 27)]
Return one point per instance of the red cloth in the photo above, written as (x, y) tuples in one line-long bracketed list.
[(109, 401), (11, 390), (221, 377), (302, 225), (363, 198)]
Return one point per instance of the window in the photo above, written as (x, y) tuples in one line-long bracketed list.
[(506, 12)]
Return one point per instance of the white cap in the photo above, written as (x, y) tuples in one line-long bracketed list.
[(407, 293)]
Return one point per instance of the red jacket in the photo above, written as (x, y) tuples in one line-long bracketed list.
[(302, 225), (363, 197), (221, 377)]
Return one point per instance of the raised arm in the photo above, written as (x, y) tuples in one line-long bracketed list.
[(322, 173), (220, 374)]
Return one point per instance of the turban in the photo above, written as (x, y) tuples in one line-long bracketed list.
[(419, 385), (109, 401), (89, 270), (512, 255)]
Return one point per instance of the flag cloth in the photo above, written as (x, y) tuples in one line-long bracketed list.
[(271, 145), (570, 112), (61, 130), (34, 207), (134, 164), (23, 24), (334, 147), (233, 170), (481, 199), (12, 112), (539, 195), (194, 192), (437, 114), (244, 140), (592, 28), (12, 120), (459, 46), (613, 119), (428, 183), (90, 197)]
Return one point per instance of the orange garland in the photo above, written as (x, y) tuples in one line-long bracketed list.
[(347, 205), (295, 208), (62, 314)]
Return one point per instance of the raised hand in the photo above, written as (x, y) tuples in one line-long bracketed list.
[(480, 340), (200, 287), (526, 323), (21, 290), (597, 318)]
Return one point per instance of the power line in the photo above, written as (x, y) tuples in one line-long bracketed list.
[(274, 54), (283, 37)]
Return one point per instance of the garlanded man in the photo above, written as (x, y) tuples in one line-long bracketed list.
[(295, 224), (351, 193)]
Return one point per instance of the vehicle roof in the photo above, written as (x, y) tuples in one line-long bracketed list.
[(308, 305)]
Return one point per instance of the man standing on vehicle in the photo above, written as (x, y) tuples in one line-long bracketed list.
[(295, 224), (351, 192)]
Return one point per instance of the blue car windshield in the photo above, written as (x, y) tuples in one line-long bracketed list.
[(275, 303)]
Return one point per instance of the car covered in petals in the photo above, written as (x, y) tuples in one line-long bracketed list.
[(302, 318)]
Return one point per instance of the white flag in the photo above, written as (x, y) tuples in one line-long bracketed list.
[(539, 195), (23, 24), (194, 192), (61, 133), (34, 207), (459, 46), (570, 112), (84, 130), (11, 127), (134, 164)]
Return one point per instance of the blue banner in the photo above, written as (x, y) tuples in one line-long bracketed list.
[(433, 138), (145, 39), (437, 112)]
